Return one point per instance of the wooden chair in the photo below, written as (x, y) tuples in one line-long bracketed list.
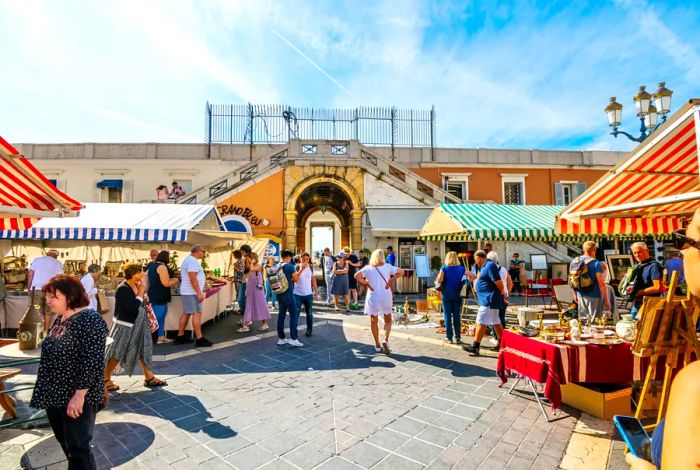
[(540, 293)]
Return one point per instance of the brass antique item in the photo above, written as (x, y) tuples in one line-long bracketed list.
[(31, 326)]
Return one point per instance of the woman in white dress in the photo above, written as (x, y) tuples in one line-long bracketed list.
[(378, 278)]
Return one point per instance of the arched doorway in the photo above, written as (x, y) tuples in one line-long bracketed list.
[(335, 200)]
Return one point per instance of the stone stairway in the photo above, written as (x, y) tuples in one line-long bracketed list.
[(356, 155)]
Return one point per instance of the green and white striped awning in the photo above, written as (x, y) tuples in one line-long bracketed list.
[(468, 222)]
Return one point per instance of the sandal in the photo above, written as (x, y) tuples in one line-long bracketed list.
[(243, 329), (264, 327), (154, 382), (111, 386)]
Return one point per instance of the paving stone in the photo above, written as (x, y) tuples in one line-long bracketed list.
[(364, 454), (422, 413), (307, 456), (259, 431), (407, 426), (387, 439), (226, 446), (250, 457), (281, 443), (338, 463), (438, 436), (424, 406), (395, 462), (279, 464), (465, 411), (453, 423), (419, 451)]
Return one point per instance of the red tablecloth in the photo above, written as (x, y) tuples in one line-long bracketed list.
[(556, 364), (534, 359)]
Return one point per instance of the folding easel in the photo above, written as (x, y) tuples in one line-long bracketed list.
[(666, 329)]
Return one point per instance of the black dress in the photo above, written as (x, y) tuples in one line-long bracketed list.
[(351, 271), (72, 358)]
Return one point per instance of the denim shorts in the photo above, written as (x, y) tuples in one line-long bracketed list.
[(190, 304)]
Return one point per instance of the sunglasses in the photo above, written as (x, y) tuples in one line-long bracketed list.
[(680, 240)]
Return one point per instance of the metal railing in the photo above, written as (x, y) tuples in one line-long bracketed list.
[(278, 124)]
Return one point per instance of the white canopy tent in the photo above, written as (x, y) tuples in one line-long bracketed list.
[(115, 232)]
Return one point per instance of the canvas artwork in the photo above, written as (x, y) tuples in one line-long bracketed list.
[(619, 265)]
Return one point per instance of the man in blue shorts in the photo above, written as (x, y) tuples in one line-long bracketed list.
[(489, 288)]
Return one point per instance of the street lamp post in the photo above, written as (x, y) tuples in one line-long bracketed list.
[(647, 112)]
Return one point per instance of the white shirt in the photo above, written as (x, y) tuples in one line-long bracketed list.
[(303, 285), (191, 265), (503, 272), (44, 267), (379, 300), (90, 289)]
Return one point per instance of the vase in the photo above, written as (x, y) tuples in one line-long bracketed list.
[(626, 328)]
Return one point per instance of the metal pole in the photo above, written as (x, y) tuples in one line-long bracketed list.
[(432, 134), (250, 126), (393, 131)]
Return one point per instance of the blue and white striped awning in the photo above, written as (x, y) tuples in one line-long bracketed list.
[(124, 222)]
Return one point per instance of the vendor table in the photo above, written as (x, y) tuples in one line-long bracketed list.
[(216, 300), (557, 364)]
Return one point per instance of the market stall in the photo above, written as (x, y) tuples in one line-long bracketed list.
[(26, 194), (556, 364), (654, 192), (111, 234), (471, 225)]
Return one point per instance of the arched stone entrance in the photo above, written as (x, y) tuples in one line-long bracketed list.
[(324, 193)]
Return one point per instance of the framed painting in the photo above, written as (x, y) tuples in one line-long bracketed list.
[(538, 262), (619, 265), (560, 271)]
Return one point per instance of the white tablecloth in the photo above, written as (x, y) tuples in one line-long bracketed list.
[(16, 305)]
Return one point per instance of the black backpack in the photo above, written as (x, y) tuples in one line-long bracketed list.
[(581, 279)]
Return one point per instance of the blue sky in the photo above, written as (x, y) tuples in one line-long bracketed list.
[(500, 74)]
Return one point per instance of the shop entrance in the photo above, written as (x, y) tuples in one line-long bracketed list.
[(323, 202)]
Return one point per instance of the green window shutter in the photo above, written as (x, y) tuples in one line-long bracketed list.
[(558, 194)]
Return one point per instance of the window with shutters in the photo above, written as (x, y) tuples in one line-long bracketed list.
[(565, 192)]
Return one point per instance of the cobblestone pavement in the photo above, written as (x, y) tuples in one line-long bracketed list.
[(333, 404)]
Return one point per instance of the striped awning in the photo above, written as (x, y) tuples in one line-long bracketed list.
[(652, 193), (468, 222), (26, 194), (125, 222)]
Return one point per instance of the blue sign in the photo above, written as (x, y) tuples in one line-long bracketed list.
[(422, 266)]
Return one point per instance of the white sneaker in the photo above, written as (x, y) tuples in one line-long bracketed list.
[(295, 343), (494, 342), (282, 342)]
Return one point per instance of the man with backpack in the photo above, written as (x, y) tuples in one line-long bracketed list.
[(282, 281), (587, 279)]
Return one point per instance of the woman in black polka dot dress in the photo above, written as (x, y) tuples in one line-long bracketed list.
[(70, 384)]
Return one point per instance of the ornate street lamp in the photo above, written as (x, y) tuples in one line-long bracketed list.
[(647, 112)]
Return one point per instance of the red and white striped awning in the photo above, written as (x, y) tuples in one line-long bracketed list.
[(652, 193), (25, 194)]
